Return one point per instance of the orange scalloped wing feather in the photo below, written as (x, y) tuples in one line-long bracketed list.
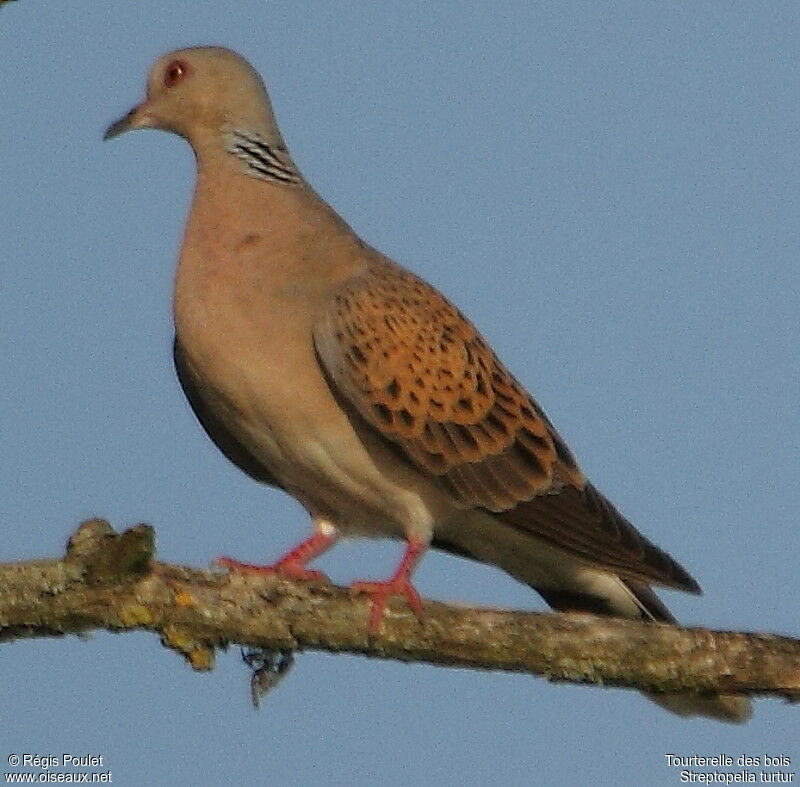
[(418, 371)]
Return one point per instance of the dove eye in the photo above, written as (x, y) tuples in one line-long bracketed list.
[(174, 73)]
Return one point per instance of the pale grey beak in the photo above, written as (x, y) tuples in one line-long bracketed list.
[(133, 120)]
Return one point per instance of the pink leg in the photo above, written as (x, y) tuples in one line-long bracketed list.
[(292, 564), (398, 585)]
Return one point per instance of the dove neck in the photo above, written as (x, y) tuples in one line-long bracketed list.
[(253, 222), (261, 156)]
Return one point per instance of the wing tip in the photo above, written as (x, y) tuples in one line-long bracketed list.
[(683, 580)]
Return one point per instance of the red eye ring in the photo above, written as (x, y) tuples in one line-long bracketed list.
[(174, 73)]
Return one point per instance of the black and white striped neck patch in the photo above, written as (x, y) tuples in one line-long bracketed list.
[(260, 160)]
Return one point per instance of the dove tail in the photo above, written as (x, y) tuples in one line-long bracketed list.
[(603, 593), (732, 708)]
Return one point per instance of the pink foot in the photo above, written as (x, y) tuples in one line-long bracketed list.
[(398, 585), (292, 564), (382, 591)]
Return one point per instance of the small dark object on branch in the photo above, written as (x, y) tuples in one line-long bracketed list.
[(269, 668)]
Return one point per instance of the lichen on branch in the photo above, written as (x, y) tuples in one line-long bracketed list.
[(109, 580)]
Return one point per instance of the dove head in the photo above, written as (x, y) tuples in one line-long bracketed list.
[(203, 94)]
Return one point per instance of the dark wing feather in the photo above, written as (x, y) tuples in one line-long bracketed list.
[(588, 525)]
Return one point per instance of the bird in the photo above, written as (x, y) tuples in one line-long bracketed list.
[(320, 366)]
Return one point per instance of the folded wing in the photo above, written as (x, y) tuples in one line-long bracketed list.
[(411, 365)]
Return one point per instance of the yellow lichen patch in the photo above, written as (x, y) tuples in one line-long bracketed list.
[(183, 598), (135, 615), (199, 655), (178, 639), (201, 658)]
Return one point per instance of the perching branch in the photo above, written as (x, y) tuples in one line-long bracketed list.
[(111, 581)]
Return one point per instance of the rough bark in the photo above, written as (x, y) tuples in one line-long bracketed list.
[(112, 581)]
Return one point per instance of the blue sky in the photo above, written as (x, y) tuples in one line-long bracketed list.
[(609, 190)]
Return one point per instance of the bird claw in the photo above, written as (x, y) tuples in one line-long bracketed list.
[(291, 568), (382, 591), (292, 564)]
